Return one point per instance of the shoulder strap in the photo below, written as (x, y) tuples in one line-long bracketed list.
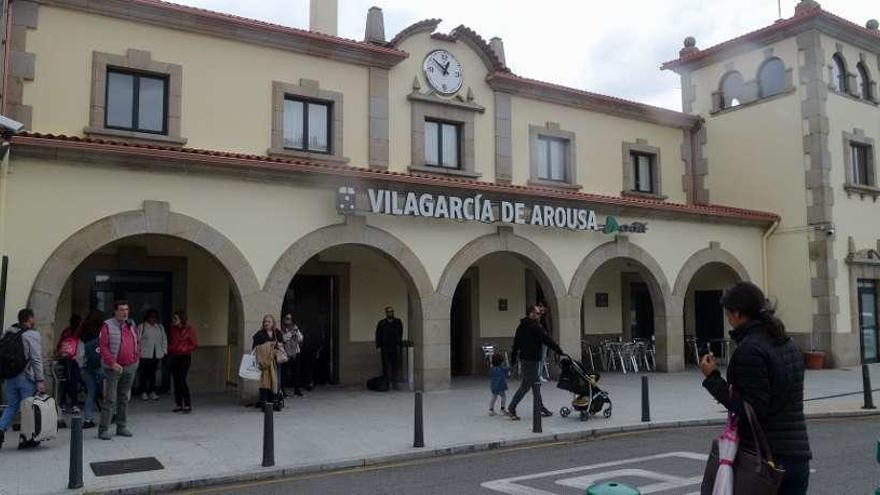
[(758, 433)]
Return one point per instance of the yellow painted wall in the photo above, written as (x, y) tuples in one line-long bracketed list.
[(608, 320), (599, 139), (375, 282), (502, 276), (401, 84), (227, 86)]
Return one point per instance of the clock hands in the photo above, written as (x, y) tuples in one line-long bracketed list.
[(444, 69)]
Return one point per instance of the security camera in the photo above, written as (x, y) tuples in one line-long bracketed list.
[(10, 127), (829, 231)]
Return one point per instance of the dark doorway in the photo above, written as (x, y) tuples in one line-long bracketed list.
[(313, 300), (868, 320), (642, 310), (460, 327), (709, 319), (144, 290)]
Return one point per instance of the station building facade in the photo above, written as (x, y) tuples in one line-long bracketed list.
[(231, 168)]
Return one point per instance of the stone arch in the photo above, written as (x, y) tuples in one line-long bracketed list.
[(703, 257), (668, 320), (155, 218)]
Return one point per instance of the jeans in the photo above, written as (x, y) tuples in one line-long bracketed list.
[(147, 369), (92, 378), (71, 386), (179, 365), (797, 475), (17, 389), (117, 392), (529, 378)]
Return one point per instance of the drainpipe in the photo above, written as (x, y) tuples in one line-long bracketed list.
[(764, 240)]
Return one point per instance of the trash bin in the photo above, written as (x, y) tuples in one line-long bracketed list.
[(612, 488)]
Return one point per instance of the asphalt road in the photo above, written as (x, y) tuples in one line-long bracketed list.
[(667, 462)]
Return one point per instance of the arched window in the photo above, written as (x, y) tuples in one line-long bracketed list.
[(731, 89), (771, 77), (838, 73), (864, 81)]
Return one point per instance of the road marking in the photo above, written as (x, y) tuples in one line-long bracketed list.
[(667, 481), (513, 486)]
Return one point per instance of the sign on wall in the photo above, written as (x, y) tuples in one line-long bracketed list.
[(476, 208)]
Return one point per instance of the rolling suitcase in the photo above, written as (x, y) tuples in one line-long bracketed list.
[(39, 419)]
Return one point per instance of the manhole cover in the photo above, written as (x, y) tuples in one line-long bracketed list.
[(126, 466)]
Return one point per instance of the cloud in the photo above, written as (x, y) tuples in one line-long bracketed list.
[(613, 48)]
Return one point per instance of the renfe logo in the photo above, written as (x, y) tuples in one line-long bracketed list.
[(477, 209)]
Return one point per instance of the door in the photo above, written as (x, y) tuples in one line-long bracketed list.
[(144, 290), (868, 320), (460, 327), (709, 318), (641, 311), (314, 303)]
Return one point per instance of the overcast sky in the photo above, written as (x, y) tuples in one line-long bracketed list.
[(610, 47)]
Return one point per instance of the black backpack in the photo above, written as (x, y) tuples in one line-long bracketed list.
[(12, 358)]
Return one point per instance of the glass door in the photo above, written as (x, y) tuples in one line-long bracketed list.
[(868, 320), (142, 289)]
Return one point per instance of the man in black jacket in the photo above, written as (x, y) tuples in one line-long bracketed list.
[(530, 336), (389, 337)]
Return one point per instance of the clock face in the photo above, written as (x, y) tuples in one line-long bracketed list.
[(443, 72)]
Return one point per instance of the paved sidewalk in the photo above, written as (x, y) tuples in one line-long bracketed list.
[(339, 427)]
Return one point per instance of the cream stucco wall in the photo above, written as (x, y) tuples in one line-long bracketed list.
[(599, 139), (502, 276), (607, 320), (227, 85)]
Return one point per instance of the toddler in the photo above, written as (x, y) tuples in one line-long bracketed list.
[(498, 383)]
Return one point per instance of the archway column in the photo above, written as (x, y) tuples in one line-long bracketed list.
[(568, 310), (433, 345), (669, 336)]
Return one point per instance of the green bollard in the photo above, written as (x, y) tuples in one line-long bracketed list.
[(612, 488)]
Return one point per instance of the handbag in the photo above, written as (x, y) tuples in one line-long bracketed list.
[(249, 369), (67, 347), (754, 473), (281, 356)]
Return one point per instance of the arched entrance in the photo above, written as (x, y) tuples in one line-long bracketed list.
[(624, 295), (700, 285), (484, 291), (336, 282), (160, 260)]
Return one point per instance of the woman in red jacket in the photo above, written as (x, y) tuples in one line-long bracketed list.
[(181, 344)]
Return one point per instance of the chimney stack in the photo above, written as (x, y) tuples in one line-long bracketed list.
[(498, 47), (324, 16), (375, 32)]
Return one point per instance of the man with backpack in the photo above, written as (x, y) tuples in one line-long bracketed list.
[(21, 366)]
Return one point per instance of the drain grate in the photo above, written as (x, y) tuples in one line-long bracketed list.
[(126, 466)]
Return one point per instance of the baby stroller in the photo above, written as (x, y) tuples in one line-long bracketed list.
[(589, 399)]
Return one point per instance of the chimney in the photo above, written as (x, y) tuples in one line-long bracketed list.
[(873, 25), (375, 32), (497, 46), (806, 6), (323, 16)]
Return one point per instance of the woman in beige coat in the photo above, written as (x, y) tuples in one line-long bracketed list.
[(265, 342)]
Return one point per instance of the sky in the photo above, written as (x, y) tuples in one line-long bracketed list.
[(608, 47)]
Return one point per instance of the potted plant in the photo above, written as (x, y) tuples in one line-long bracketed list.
[(814, 359)]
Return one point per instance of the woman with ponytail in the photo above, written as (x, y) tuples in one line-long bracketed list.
[(766, 371)]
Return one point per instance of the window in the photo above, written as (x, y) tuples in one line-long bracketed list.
[(838, 73), (642, 172), (731, 89), (771, 77), (136, 102), (860, 155), (864, 81), (552, 153), (442, 144), (307, 125)]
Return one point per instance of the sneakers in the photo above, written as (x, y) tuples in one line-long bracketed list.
[(2, 438), (153, 396), (492, 412), (543, 380), (123, 432), (512, 413), (104, 435), (177, 409), (27, 444), (187, 410), (144, 396), (88, 424), (546, 413)]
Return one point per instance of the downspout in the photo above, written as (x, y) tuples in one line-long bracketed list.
[(7, 44), (764, 239)]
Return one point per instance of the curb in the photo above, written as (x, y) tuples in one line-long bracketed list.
[(260, 474)]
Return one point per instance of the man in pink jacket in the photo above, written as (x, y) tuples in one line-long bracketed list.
[(120, 355)]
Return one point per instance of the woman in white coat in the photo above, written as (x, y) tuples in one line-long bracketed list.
[(154, 346)]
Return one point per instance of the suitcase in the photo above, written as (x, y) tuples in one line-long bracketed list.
[(39, 419), (378, 384)]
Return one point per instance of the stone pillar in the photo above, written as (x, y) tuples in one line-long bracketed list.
[(432, 345), (568, 310), (669, 335)]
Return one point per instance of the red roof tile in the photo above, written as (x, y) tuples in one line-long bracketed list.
[(222, 159)]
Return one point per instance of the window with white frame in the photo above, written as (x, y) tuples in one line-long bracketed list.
[(864, 81), (307, 125), (838, 73), (643, 170), (442, 144), (552, 156), (860, 163)]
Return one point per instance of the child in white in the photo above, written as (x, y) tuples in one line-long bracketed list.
[(498, 383)]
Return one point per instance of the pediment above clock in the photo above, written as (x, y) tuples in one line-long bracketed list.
[(462, 34)]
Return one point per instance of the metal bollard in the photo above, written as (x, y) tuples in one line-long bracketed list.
[(419, 433), (646, 405), (75, 473), (866, 385), (268, 436), (536, 408)]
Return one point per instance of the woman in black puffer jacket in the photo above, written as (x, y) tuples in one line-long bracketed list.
[(767, 371)]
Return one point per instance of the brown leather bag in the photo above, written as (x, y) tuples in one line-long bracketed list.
[(754, 473)]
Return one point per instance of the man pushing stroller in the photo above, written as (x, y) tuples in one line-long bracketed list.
[(530, 336)]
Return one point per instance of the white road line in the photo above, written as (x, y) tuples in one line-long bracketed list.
[(667, 481), (511, 486)]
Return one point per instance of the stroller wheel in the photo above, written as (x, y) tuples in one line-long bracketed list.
[(585, 415), (564, 412)]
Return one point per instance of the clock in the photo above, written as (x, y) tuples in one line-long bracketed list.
[(443, 72)]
